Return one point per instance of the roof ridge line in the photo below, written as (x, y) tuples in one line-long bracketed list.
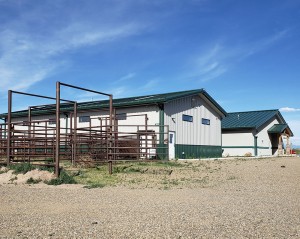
[(252, 111)]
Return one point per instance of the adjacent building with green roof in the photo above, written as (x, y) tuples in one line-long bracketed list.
[(256, 133)]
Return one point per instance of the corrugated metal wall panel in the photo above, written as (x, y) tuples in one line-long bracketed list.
[(197, 151), (151, 111), (193, 133), (263, 139), (238, 143)]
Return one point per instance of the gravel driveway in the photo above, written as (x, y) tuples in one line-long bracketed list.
[(259, 199)]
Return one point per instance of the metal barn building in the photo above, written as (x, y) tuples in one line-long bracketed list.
[(255, 133), (191, 119)]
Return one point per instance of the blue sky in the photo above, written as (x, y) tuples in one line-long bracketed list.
[(244, 53)]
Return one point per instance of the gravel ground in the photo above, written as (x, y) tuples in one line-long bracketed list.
[(258, 199)]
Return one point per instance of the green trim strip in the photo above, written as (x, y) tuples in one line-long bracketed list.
[(197, 151), (161, 124)]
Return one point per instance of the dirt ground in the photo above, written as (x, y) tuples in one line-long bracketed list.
[(230, 198)]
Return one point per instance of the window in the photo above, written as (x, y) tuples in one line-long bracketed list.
[(52, 121), (121, 116), (171, 138), (85, 118), (205, 121), (187, 118)]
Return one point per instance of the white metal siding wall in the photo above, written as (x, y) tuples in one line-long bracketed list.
[(152, 114), (238, 140), (151, 111), (193, 133), (263, 139)]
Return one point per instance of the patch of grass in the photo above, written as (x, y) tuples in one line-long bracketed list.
[(21, 168), (33, 181), (134, 181), (166, 187), (231, 178), (165, 181), (133, 170), (26, 167), (13, 179), (166, 164), (45, 168), (174, 182), (203, 180), (96, 177), (94, 185), (64, 178), (2, 171)]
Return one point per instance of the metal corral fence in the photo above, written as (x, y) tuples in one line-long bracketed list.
[(46, 142), (35, 142)]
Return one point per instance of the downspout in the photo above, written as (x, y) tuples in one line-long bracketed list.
[(221, 137), (67, 117), (255, 145), (161, 130)]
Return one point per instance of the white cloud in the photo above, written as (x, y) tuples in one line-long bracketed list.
[(149, 86), (219, 58), (265, 43), (126, 77), (28, 56), (289, 109), (209, 65)]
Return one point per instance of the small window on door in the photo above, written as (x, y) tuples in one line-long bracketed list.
[(171, 138)]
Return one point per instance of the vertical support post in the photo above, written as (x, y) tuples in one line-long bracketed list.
[(46, 138), (9, 126), (66, 134), (116, 144), (168, 140), (146, 136), (110, 127), (75, 134), (280, 146), (110, 167), (288, 146), (57, 149), (29, 132)]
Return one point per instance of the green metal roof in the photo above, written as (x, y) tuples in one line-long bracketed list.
[(122, 102), (279, 128), (249, 119)]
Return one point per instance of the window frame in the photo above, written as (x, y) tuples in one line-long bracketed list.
[(205, 121), (187, 118), (80, 119), (121, 116)]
